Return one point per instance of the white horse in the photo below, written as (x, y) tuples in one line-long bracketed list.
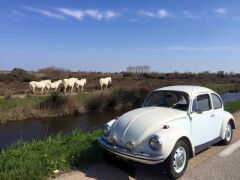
[(39, 85), (81, 83), (47, 84), (105, 81), (69, 83), (55, 85)]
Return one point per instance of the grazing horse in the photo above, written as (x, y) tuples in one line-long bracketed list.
[(39, 85), (48, 84), (69, 83), (105, 81), (81, 83), (55, 85)]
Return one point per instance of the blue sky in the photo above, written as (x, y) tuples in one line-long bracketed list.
[(107, 35)]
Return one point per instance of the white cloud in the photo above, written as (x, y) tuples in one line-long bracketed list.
[(93, 13), (189, 15), (44, 12), (145, 13), (220, 11), (202, 49), (78, 14), (111, 14), (161, 13)]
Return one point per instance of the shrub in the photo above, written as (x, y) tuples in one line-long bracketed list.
[(58, 103), (117, 99)]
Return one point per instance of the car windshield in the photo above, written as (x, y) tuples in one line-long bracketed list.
[(171, 99)]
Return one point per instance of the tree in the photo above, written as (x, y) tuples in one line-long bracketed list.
[(139, 69)]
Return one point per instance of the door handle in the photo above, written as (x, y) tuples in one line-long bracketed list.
[(212, 115)]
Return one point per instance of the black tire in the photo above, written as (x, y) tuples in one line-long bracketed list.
[(171, 170), (227, 140)]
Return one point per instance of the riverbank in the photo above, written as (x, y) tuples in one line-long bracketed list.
[(16, 108), (40, 159), (20, 108)]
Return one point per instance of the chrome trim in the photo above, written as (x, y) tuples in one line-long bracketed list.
[(139, 157)]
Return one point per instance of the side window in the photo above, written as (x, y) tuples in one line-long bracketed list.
[(201, 103), (217, 103)]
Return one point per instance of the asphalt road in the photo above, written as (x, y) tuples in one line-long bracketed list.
[(219, 168), (217, 162)]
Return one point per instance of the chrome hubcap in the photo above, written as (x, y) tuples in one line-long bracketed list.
[(228, 132), (179, 160)]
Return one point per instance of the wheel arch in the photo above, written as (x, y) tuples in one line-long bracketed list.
[(227, 118), (171, 136), (189, 144), (232, 123)]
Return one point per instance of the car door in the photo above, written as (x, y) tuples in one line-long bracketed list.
[(218, 114), (202, 122)]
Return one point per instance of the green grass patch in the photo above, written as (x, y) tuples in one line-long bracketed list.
[(232, 106), (10, 103), (38, 160), (223, 88)]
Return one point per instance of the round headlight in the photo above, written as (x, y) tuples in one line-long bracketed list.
[(106, 130), (111, 140), (155, 142), (130, 145)]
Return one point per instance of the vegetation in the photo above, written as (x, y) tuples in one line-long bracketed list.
[(38, 160), (12, 108), (15, 82), (232, 106), (127, 90)]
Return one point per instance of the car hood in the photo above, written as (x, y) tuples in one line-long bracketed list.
[(136, 125)]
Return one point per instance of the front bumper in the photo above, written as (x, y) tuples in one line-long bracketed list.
[(124, 153)]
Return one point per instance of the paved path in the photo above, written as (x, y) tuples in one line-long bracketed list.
[(219, 168)]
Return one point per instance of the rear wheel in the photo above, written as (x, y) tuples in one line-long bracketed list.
[(178, 160), (228, 134)]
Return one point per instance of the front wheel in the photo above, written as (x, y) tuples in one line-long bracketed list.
[(178, 160), (228, 134)]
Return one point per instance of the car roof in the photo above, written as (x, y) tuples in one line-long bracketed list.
[(190, 90)]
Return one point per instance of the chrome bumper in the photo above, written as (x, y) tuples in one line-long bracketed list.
[(138, 157)]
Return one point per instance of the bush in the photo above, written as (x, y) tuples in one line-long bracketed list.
[(117, 99), (60, 104)]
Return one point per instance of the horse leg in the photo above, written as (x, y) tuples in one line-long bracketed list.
[(33, 90), (82, 88)]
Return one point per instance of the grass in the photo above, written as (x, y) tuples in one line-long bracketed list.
[(38, 160), (223, 88), (10, 103), (232, 106)]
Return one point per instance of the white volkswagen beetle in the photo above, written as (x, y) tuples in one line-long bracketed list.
[(173, 125)]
